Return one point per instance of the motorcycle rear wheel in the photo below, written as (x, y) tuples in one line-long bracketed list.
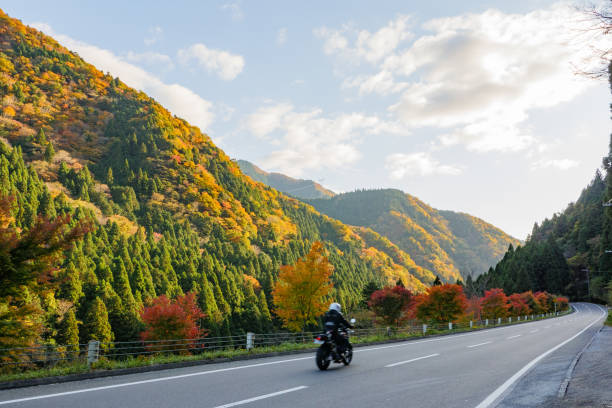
[(322, 358)]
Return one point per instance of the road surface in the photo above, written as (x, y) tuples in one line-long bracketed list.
[(475, 369)]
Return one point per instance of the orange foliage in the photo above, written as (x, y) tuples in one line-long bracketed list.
[(300, 293)]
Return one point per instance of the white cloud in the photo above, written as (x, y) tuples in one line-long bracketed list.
[(227, 66), (476, 77), (281, 36), (369, 46), (179, 100), (234, 10), (402, 165), (152, 58), (560, 164), (155, 34), (311, 140)]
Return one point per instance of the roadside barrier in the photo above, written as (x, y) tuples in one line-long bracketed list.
[(49, 355)]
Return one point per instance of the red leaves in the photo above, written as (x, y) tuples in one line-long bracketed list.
[(494, 304), (172, 320), (518, 305), (390, 303), (443, 303)]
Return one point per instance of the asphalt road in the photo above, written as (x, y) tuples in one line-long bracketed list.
[(477, 369)]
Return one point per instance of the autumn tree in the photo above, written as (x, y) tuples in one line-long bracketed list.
[(28, 261), (518, 305), (494, 304), (301, 291), (561, 303), (390, 303), (442, 303), (167, 319)]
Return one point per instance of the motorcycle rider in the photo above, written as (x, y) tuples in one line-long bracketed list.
[(335, 322)]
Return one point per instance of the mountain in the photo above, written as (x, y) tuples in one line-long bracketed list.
[(451, 245), (170, 212), (304, 189)]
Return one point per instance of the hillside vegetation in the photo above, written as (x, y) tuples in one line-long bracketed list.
[(449, 244), (170, 212)]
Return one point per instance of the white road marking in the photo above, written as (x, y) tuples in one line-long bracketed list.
[(479, 344), (514, 337), (410, 361), (533, 331), (274, 394), (487, 402), (153, 380), (174, 377)]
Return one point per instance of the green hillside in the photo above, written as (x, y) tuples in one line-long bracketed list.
[(451, 245), (171, 213), (305, 189)]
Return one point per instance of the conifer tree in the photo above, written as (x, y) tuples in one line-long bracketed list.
[(96, 323), (69, 331), (49, 152)]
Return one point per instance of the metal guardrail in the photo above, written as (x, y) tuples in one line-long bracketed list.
[(48, 355)]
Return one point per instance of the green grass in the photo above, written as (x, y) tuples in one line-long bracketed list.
[(609, 319), (149, 360)]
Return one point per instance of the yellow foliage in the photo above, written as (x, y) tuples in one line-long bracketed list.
[(301, 291)]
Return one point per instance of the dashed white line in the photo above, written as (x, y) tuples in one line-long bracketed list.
[(273, 394), (153, 380), (411, 360), (479, 344), (514, 337), (533, 331)]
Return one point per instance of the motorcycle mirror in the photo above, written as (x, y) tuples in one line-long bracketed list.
[(353, 321)]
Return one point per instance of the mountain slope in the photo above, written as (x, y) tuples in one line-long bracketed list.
[(449, 244), (171, 212), (306, 189)]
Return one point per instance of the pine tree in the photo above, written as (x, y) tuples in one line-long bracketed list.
[(96, 322), (49, 152), (69, 331)]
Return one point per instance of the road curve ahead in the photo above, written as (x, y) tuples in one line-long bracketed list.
[(463, 370)]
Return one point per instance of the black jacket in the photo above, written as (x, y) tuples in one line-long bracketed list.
[(335, 321)]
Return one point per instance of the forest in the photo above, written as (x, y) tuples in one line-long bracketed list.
[(161, 210)]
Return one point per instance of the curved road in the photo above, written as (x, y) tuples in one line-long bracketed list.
[(475, 369)]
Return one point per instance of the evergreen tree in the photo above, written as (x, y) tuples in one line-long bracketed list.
[(49, 152), (96, 323)]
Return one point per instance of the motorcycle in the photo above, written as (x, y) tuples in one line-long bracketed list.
[(328, 349)]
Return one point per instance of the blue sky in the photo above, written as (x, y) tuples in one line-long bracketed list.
[(471, 106)]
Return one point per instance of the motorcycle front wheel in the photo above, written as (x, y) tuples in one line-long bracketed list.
[(322, 358), (348, 356)]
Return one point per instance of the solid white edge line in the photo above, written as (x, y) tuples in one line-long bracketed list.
[(491, 398), (480, 344), (153, 380), (411, 360), (273, 394), (403, 344)]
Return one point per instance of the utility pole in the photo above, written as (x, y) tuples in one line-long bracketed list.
[(588, 282)]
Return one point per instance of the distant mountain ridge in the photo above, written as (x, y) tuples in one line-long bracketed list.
[(452, 245), (306, 189)]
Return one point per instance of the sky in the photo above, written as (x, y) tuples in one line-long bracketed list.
[(471, 106)]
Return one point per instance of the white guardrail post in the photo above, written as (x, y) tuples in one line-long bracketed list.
[(471, 324), (450, 325), (250, 337), (93, 352), (486, 322), (424, 329)]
